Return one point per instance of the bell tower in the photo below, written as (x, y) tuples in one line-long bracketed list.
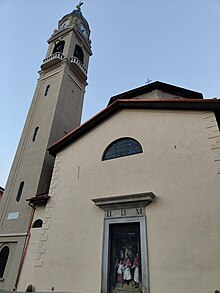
[(55, 110)]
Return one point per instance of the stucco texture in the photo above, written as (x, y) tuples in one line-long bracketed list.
[(177, 165)]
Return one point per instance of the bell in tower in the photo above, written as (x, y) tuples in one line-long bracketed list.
[(55, 110)]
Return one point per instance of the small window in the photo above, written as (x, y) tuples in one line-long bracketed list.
[(78, 52), (59, 46), (37, 224), (35, 134), (4, 253), (47, 90), (122, 147), (20, 189)]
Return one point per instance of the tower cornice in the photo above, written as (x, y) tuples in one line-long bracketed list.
[(65, 31)]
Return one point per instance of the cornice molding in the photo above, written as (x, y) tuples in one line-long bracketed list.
[(137, 200)]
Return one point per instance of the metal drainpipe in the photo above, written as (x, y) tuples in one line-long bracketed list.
[(25, 247)]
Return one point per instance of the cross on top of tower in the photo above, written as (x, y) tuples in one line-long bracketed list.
[(78, 7)]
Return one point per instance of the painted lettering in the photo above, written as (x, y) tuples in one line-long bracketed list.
[(108, 214), (139, 211), (123, 212)]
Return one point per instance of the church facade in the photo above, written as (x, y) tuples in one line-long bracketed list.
[(132, 204)]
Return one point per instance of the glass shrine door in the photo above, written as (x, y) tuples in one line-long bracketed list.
[(124, 258)]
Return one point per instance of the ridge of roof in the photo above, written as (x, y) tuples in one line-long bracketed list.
[(162, 104), (165, 87)]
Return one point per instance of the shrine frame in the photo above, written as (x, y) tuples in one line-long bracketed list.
[(121, 210)]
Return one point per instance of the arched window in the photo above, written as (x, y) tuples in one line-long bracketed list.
[(78, 52), (20, 189), (122, 147), (47, 90), (35, 134), (4, 253), (37, 224), (59, 46)]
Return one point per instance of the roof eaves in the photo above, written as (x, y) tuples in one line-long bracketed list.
[(172, 104), (180, 104), (79, 131)]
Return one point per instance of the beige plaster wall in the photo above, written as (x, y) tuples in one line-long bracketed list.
[(27, 273), (177, 164), (158, 94)]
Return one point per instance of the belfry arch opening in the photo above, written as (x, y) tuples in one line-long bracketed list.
[(59, 46), (78, 52)]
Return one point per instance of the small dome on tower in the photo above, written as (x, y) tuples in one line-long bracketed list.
[(78, 13), (76, 19)]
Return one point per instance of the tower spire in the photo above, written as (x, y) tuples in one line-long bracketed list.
[(78, 7)]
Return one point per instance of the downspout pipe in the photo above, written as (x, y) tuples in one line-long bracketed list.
[(25, 247)]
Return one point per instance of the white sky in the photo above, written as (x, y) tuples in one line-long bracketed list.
[(173, 41)]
